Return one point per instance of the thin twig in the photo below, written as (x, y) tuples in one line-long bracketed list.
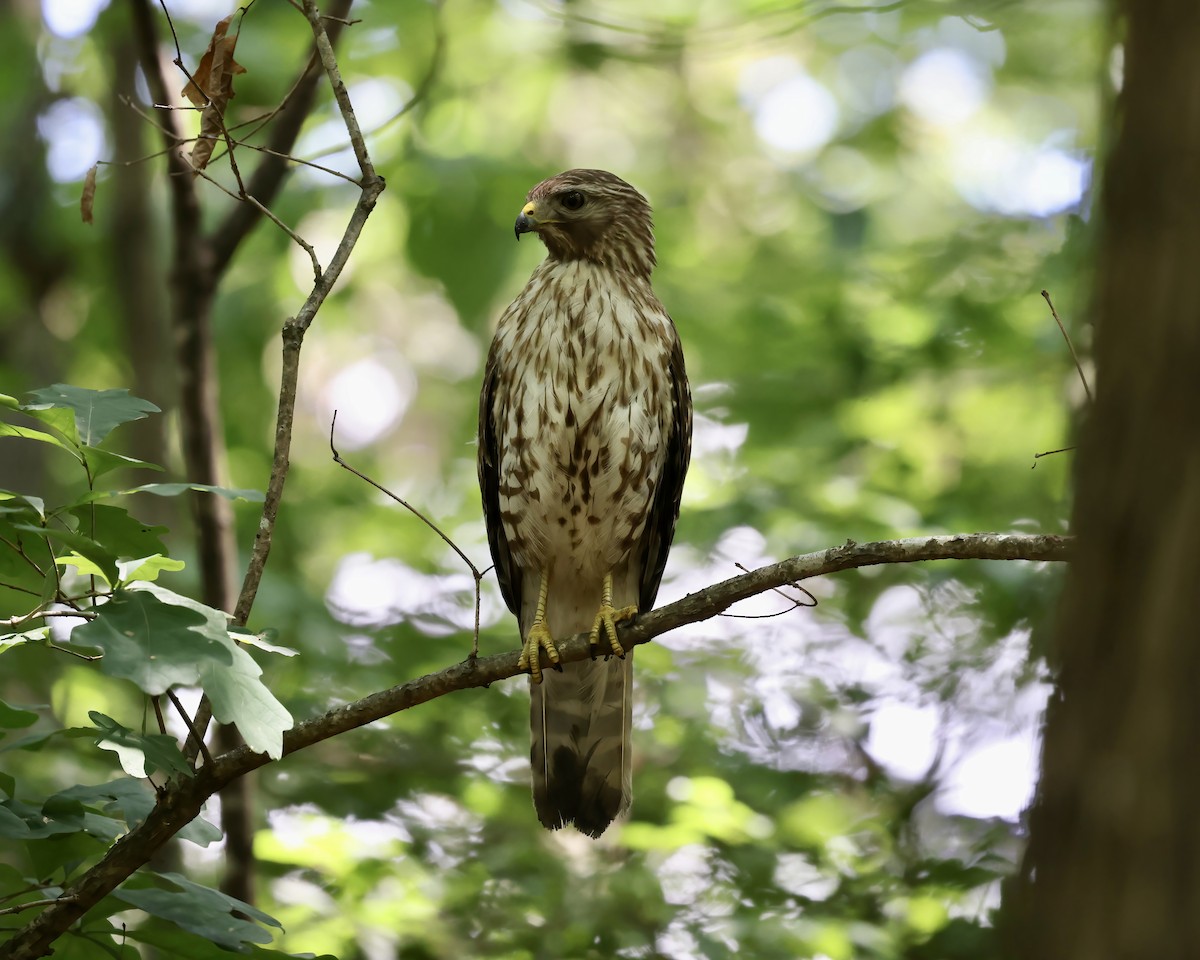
[(27, 905), (244, 197), (187, 722), (1046, 453), (19, 588), (158, 715), (422, 91), (76, 653), (40, 614), (294, 329), (329, 61), (337, 458), (268, 178), (1071, 347), (795, 604), (19, 549)]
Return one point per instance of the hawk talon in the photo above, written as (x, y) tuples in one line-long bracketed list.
[(538, 639), (607, 618)]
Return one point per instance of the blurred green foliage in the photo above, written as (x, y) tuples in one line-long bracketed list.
[(855, 214)]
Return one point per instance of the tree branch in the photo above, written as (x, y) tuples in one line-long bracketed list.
[(180, 802), (268, 177), (293, 332)]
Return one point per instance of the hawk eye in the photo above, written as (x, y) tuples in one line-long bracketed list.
[(572, 200)]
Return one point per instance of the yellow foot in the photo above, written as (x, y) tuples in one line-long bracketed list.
[(537, 640), (607, 618)]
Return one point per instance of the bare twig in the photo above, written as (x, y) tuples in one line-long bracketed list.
[(268, 177), (187, 722), (76, 653), (27, 905), (39, 614), (795, 603), (1047, 453), (295, 328), (1070, 346), (333, 72), (158, 715), (475, 572), (422, 91), (181, 800)]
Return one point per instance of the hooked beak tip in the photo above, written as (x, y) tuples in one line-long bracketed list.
[(523, 225)]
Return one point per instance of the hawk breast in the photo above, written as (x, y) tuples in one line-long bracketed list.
[(582, 417)]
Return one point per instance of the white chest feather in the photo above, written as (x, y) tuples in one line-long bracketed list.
[(583, 419)]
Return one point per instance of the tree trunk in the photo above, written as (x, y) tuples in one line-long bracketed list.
[(1113, 864)]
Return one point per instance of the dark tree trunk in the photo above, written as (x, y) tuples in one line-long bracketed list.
[(1113, 865)]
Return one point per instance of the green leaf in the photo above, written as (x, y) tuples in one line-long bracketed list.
[(238, 695), (84, 566), (260, 641), (100, 555), (28, 433), (97, 940), (127, 537), (59, 419), (155, 644), (175, 489), (14, 718), (101, 462), (21, 555), (67, 813), (60, 855), (172, 490), (132, 800), (169, 940), (16, 503), (201, 910), (26, 636), (12, 827), (141, 754), (54, 818), (33, 742), (148, 568), (96, 412)]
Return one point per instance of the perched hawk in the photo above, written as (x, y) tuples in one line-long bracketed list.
[(585, 429)]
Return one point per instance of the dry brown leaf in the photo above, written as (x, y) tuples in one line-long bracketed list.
[(88, 198), (198, 89), (211, 87)]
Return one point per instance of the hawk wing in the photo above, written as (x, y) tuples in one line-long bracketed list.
[(507, 572), (664, 509)]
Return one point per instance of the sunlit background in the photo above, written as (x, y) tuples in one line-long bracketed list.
[(856, 212)]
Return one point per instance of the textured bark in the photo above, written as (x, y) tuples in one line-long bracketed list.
[(1112, 867), (133, 246)]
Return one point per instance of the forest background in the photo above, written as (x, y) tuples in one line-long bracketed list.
[(856, 212)]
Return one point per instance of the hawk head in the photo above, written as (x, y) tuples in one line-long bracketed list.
[(591, 215)]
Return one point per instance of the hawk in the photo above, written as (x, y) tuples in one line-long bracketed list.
[(585, 428)]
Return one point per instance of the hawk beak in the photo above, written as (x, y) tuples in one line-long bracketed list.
[(527, 221)]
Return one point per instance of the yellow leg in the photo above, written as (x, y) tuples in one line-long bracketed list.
[(538, 638), (607, 618)]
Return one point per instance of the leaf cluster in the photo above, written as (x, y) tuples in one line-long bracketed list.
[(82, 577)]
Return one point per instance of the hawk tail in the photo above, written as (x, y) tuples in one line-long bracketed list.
[(580, 720)]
